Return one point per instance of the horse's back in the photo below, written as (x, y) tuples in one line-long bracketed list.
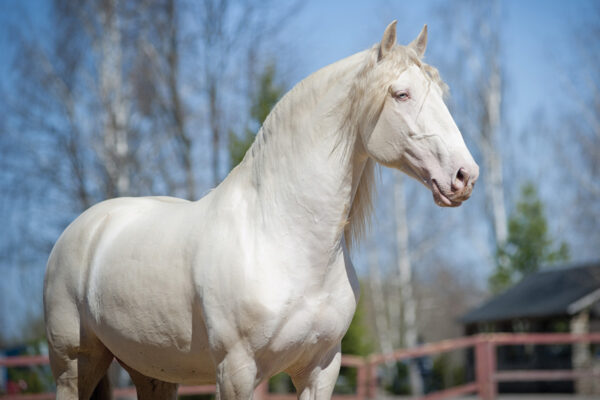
[(122, 271)]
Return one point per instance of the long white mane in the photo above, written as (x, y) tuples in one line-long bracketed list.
[(368, 79)]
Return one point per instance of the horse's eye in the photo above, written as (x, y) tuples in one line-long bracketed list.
[(402, 96)]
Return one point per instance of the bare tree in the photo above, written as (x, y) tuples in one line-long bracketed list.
[(232, 33), (176, 108), (107, 97), (407, 302), (159, 88), (577, 132)]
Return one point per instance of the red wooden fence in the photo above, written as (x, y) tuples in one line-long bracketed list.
[(486, 374)]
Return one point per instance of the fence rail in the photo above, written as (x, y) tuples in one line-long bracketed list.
[(486, 374)]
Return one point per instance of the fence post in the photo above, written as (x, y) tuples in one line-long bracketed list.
[(362, 379), (485, 368), (262, 390), (371, 377)]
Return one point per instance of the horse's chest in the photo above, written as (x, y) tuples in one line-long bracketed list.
[(312, 325), (321, 316), (283, 316)]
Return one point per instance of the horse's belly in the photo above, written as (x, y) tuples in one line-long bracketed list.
[(147, 316), (174, 351), (167, 364)]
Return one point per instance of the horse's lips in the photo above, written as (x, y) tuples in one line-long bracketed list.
[(440, 199)]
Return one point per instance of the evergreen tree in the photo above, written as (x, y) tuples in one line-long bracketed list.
[(528, 246), (267, 94)]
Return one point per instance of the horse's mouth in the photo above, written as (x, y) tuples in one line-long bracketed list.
[(441, 199)]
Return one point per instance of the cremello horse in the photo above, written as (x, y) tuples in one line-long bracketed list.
[(255, 278)]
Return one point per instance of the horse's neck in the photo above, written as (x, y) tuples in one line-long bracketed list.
[(303, 173)]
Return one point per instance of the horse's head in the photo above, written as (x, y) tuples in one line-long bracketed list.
[(414, 131)]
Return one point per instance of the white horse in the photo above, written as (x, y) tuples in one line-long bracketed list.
[(255, 278)]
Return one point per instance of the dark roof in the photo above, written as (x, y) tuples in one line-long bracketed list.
[(549, 292)]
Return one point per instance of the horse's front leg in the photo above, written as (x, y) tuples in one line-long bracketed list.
[(318, 380), (236, 376)]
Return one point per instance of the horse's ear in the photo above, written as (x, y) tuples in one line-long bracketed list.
[(388, 41), (420, 43)]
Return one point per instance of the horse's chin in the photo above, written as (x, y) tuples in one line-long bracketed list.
[(440, 198)]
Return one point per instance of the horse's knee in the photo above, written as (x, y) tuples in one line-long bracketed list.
[(64, 369), (66, 388), (236, 377)]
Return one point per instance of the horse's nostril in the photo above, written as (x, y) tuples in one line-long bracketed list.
[(461, 180), (462, 175)]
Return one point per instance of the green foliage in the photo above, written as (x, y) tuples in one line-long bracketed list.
[(528, 246), (357, 340), (238, 145), (281, 383), (267, 94)]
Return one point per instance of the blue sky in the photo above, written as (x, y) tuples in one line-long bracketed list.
[(535, 40), (535, 34)]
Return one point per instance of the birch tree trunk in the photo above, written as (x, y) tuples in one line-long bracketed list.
[(115, 107), (176, 106), (381, 323), (383, 329), (489, 144), (408, 303)]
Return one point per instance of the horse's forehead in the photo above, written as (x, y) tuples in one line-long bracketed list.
[(417, 77), (404, 57), (410, 71)]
